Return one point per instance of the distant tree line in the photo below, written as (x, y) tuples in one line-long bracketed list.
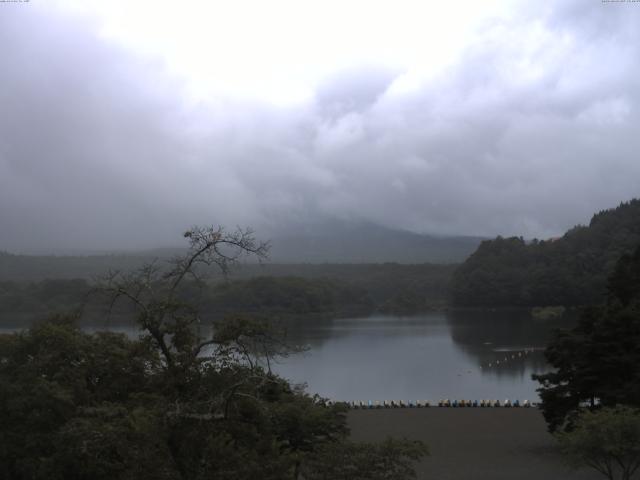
[(266, 296), (42, 297), (571, 270), (328, 291)]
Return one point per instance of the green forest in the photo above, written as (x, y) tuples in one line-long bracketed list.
[(570, 271), (597, 363), (284, 291)]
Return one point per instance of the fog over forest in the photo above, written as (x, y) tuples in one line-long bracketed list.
[(520, 118)]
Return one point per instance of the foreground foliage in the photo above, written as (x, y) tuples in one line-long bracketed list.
[(598, 362), (173, 404), (75, 405), (607, 440)]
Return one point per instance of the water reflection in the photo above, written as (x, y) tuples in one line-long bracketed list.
[(464, 354), (460, 354), (504, 342)]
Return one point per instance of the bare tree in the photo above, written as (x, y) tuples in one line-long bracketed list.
[(154, 291), (235, 347)]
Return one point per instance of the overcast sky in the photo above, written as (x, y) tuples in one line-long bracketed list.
[(123, 123)]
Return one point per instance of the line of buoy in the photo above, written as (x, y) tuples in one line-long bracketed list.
[(513, 356), (446, 403)]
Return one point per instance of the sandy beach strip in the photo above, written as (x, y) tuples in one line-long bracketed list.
[(472, 443)]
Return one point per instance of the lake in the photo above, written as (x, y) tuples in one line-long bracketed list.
[(457, 355)]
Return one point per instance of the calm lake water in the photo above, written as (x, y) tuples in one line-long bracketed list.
[(456, 355)]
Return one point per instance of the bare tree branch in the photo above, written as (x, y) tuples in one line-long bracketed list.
[(153, 291)]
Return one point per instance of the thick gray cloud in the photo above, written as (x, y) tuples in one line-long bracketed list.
[(530, 131)]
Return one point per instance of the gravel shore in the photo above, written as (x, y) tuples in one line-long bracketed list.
[(472, 443)]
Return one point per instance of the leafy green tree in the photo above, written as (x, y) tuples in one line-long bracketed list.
[(598, 361), (607, 440), (57, 381)]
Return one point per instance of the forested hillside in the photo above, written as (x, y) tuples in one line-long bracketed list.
[(571, 270), (273, 291)]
